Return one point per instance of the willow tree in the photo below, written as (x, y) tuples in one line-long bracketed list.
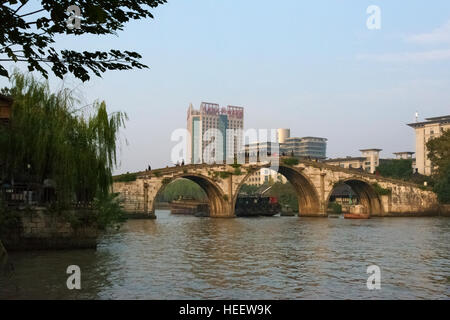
[(49, 139)]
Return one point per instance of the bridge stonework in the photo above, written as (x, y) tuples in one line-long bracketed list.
[(313, 182)]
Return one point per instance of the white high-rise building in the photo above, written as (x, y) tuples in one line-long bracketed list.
[(211, 116), (426, 130)]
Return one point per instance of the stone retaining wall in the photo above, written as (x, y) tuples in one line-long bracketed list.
[(444, 210), (39, 230)]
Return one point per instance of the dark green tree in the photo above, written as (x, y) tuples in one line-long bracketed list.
[(28, 30), (286, 195), (247, 189), (398, 169), (184, 188), (442, 185), (439, 154)]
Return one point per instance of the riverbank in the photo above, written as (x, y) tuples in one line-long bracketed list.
[(141, 216), (444, 210), (162, 206), (137, 215), (39, 229)]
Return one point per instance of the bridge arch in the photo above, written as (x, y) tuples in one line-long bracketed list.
[(366, 193), (218, 206), (308, 199)]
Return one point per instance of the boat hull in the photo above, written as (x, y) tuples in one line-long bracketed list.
[(189, 207), (256, 214), (334, 216)]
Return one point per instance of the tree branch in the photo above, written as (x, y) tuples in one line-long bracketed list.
[(30, 13), (17, 10)]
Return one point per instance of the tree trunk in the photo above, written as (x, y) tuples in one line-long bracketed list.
[(3, 254)]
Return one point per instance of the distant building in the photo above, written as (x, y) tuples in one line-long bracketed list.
[(404, 155), (369, 161), (282, 135), (345, 196), (269, 175), (261, 149), (211, 116), (257, 151), (306, 147), (372, 158), (254, 179), (265, 175), (426, 130)]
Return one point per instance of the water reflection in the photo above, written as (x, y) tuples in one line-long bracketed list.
[(176, 257)]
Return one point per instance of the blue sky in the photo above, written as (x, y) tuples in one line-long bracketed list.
[(311, 66)]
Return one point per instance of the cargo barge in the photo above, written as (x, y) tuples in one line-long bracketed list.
[(255, 206)]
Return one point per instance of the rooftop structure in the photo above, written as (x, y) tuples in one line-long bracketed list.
[(404, 155), (369, 161), (283, 134)]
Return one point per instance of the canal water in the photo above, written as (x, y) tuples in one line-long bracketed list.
[(184, 257)]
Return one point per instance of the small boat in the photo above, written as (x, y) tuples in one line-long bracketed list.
[(189, 206), (356, 216), (334, 215), (201, 214)]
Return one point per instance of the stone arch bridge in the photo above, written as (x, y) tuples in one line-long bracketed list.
[(313, 182)]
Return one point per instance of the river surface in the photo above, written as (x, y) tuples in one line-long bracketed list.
[(184, 257)]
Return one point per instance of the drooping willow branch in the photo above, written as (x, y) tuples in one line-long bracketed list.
[(50, 139)]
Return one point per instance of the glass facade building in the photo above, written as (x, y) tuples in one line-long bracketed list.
[(306, 147)]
